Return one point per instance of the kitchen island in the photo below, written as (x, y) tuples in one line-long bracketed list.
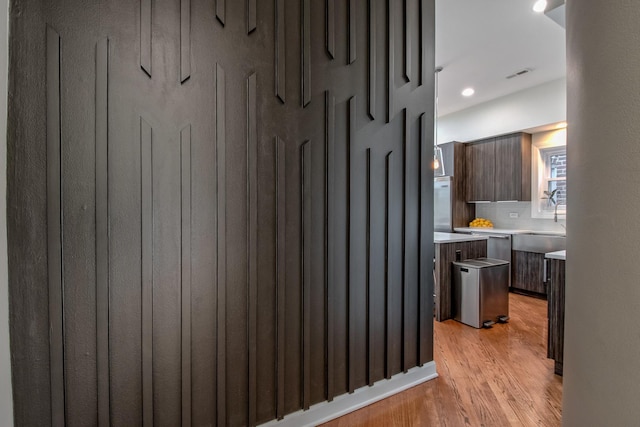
[(555, 338), (450, 247)]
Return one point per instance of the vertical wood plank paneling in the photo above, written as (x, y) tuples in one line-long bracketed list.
[(407, 28), (372, 59), (55, 256), (405, 259), (145, 36), (306, 273), (185, 40), (221, 10), (252, 16), (280, 274), (388, 264), (146, 193), (102, 230), (252, 243), (424, 261), (370, 306), (185, 251), (330, 118), (280, 54), (221, 202), (330, 11), (390, 60), (350, 272), (306, 52), (352, 31), (423, 42), (341, 323)]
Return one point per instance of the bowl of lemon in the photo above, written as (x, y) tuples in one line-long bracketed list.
[(481, 223)]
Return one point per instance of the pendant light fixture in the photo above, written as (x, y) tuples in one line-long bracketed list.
[(438, 164)]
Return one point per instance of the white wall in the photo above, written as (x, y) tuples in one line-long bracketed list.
[(530, 108), (6, 406), (602, 324)]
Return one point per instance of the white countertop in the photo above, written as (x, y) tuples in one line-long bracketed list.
[(507, 231), (491, 230), (561, 255), (455, 237)]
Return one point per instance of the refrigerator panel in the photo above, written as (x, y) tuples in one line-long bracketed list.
[(442, 202)]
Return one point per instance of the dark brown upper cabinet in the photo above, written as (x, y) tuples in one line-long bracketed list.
[(480, 175), (499, 169)]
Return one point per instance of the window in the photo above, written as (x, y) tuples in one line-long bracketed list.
[(554, 178), (549, 173)]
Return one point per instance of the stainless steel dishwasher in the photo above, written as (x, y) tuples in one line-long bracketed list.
[(498, 247)]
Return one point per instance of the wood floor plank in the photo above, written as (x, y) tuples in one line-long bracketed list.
[(487, 377)]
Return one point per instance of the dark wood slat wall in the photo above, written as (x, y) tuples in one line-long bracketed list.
[(330, 28), (388, 264), (330, 120), (145, 36), (102, 230), (391, 58), (351, 301), (146, 166), (238, 280), (405, 255), (306, 273), (426, 249), (353, 33), (55, 255), (407, 31), (280, 55), (373, 59), (252, 16), (425, 34), (221, 237), (280, 272), (221, 6), (252, 244), (369, 300), (306, 52), (185, 40), (185, 252)]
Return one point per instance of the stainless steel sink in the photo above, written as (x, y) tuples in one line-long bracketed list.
[(539, 243)]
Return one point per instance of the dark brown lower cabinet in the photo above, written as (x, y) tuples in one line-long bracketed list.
[(555, 342), (446, 254), (527, 273)]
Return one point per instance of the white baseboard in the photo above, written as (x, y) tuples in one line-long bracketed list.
[(341, 405)]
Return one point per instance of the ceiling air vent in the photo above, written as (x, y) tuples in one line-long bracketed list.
[(519, 73)]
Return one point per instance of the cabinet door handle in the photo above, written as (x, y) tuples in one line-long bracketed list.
[(544, 270)]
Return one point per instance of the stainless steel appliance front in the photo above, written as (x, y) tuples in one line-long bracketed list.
[(442, 204), (498, 247)]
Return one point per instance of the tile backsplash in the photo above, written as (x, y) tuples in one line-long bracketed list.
[(500, 215)]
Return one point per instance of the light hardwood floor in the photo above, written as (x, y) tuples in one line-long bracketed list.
[(492, 377)]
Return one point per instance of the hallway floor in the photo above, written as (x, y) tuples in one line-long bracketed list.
[(493, 377)]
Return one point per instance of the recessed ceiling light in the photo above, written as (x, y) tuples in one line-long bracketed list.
[(468, 91), (540, 6)]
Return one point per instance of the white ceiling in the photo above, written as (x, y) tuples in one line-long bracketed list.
[(480, 42)]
